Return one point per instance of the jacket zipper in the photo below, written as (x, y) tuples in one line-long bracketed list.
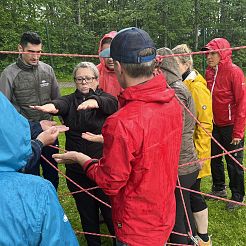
[(212, 90), (216, 72), (229, 109)]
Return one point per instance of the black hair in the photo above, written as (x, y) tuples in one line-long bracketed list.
[(106, 41), (30, 37)]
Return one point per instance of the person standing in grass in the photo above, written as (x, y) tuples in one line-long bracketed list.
[(30, 81), (197, 85), (187, 174), (85, 110), (142, 140), (226, 82)]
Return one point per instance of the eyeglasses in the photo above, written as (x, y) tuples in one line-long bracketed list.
[(80, 80)]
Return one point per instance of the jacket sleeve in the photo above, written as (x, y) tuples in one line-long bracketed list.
[(107, 103), (6, 86), (63, 104), (239, 91), (111, 173), (33, 161), (55, 228), (35, 128), (202, 140), (55, 91)]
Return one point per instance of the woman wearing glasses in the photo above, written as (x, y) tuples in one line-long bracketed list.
[(85, 110)]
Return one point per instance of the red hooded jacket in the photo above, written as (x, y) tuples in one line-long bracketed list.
[(227, 86), (139, 167), (108, 80)]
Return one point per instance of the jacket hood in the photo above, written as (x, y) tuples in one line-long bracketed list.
[(15, 137), (111, 34), (154, 90), (220, 43), (169, 66)]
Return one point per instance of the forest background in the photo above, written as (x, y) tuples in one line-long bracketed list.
[(76, 26)]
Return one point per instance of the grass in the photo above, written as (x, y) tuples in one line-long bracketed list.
[(227, 228)]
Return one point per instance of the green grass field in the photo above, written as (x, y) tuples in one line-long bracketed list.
[(227, 228)]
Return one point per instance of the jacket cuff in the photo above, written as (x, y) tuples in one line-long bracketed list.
[(89, 163)]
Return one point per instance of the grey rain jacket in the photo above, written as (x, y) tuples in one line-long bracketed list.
[(169, 67), (26, 85)]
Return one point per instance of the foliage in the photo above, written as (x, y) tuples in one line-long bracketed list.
[(76, 26)]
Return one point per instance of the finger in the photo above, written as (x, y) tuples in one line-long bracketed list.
[(80, 107), (62, 128), (58, 156), (52, 122), (58, 160)]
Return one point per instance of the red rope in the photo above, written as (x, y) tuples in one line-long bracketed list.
[(94, 234), (75, 183), (209, 134), (212, 157), (96, 56), (212, 196)]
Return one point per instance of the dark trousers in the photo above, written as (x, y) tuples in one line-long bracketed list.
[(181, 222), (197, 201), (88, 207), (236, 174), (49, 172)]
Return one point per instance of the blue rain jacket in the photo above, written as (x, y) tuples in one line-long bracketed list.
[(30, 213)]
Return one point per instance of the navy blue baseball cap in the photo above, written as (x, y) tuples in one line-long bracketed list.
[(127, 44)]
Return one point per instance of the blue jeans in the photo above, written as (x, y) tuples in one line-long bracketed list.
[(118, 243)]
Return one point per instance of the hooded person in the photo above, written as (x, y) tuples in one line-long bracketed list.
[(108, 81), (30, 213), (197, 85), (226, 82), (187, 174)]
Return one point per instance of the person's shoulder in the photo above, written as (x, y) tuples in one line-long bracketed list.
[(44, 66), (11, 68)]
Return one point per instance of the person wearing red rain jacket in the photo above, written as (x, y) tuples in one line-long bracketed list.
[(141, 150), (108, 81), (226, 82)]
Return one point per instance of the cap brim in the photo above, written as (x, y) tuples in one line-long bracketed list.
[(105, 53), (204, 49)]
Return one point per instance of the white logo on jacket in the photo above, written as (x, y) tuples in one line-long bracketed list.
[(44, 83)]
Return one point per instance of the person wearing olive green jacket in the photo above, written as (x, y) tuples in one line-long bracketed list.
[(197, 85)]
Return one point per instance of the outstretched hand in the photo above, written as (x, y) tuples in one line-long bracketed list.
[(235, 141), (49, 136), (96, 138), (46, 108), (71, 157), (46, 124), (88, 104)]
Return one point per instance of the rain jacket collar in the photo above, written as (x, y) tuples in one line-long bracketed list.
[(154, 90)]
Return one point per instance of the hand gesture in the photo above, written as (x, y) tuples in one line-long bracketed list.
[(48, 136), (235, 141), (46, 108), (96, 138), (88, 104), (71, 157)]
